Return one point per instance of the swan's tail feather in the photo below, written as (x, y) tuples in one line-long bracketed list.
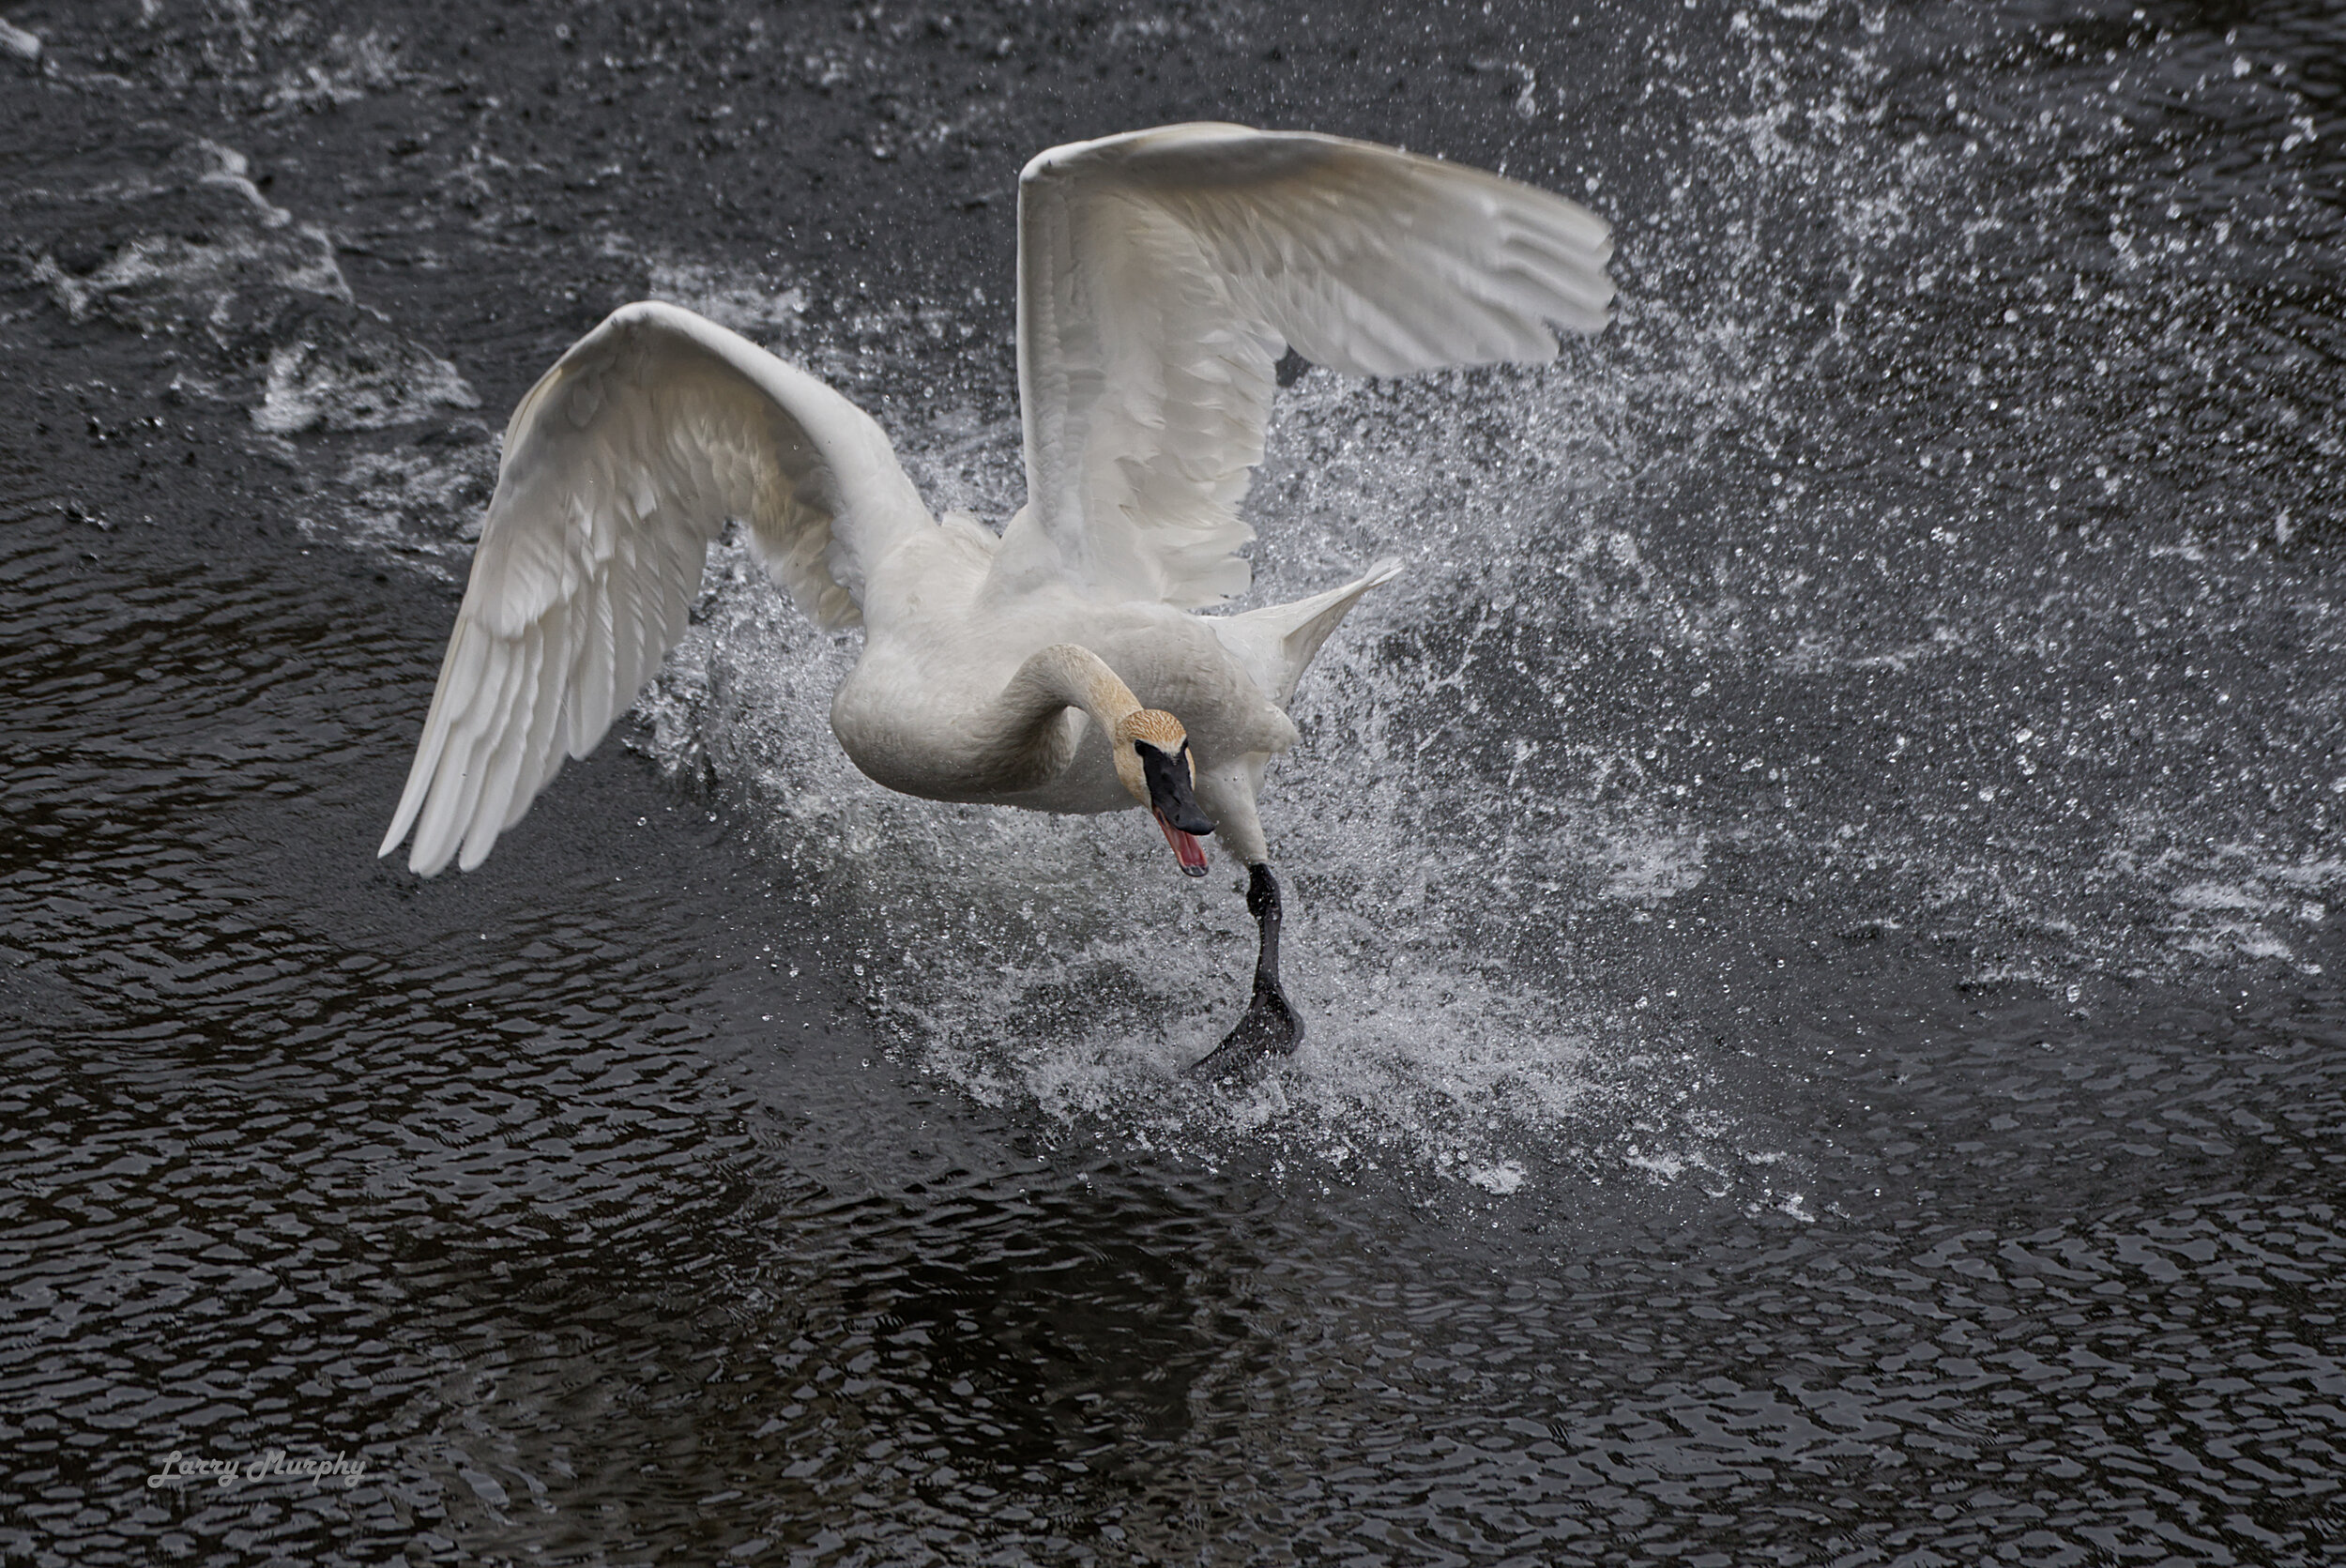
[(1278, 642)]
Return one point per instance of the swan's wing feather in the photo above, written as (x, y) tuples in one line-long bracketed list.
[(620, 466), (1162, 272), (1277, 644)]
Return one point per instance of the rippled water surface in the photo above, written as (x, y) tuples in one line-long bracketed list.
[(1817, 896)]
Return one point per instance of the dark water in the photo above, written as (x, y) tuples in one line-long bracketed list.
[(1818, 895)]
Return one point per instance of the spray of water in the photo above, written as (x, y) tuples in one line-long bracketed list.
[(1811, 471)]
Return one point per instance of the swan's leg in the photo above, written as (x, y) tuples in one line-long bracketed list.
[(1270, 1026)]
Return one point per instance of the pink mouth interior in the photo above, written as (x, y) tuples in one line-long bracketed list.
[(1185, 848)]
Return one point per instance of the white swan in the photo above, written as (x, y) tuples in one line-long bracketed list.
[(1161, 275)]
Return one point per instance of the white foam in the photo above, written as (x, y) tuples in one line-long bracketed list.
[(160, 277), (419, 507), (364, 377), (750, 302), (350, 69)]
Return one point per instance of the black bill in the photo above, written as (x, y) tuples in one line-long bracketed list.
[(1174, 806)]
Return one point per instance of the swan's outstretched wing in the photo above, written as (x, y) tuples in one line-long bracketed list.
[(620, 466), (1161, 274)]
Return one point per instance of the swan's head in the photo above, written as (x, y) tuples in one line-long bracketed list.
[(1152, 758)]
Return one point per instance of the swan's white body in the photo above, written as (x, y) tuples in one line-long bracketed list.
[(1161, 276), (922, 713)]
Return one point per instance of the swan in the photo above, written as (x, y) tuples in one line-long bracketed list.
[(1056, 667)]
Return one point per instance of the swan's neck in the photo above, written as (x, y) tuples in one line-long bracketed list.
[(1030, 729)]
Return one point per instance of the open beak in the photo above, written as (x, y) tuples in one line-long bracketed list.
[(1175, 808), (1186, 848)]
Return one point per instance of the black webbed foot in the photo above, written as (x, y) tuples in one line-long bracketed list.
[(1270, 1027)]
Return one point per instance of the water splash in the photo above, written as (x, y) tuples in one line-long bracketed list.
[(1701, 590), (1056, 963), (1877, 556)]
